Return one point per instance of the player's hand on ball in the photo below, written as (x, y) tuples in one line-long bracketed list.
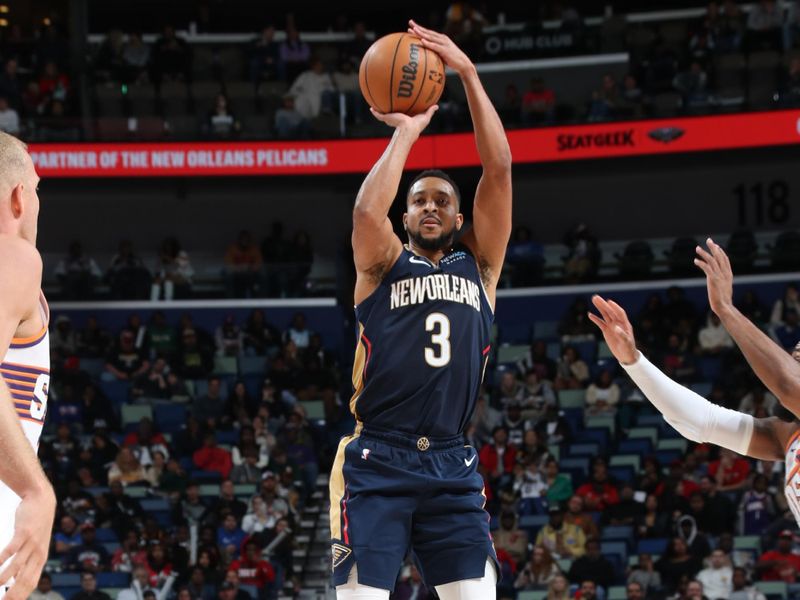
[(616, 328), (719, 276), (30, 544), (451, 54), (415, 124)]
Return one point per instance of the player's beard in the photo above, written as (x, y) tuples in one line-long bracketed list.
[(442, 242)]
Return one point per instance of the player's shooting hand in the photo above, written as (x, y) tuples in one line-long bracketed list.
[(33, 526), (415, 124), (451, 54), (719, 276), (616, 328)]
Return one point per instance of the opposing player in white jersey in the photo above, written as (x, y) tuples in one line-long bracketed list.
[(696, 418), (27, 500)]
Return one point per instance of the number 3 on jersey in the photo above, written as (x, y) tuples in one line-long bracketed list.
[(39, 402), (439, 325)]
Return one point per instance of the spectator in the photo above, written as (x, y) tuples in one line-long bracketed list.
[(229, 338), (790, 300), (127, 276), (242, 265), (212, 458), (122, 510), (260, 337), (9, 117), (62, 338), (714, 338), (221, 122), (694, 591), (562, 540), (786, 335), (485, 419), (717, 577), (571, 373), (345, 82), (720, 511), (174, 272), (126, 362), (172, 58), (577, 516), (599, 492), (539, 572), (627, 511), (592, 566), (676, 360), (498, 458), (536, 396), (294, 54), (44, 590), (93, 341), (509, 390), (602, 396), (54, 85), (758, 402), (790, 84), (289, 123), (586, 591), (136, 59), (780, 564), (583, 260), (741, 588), (230, 536), (89, 589), (676, 563), (729, 33), (604, 100), (10, 84), (126, 468), (510, 109), (192, 510), (632, 98), (558, 588), (89, 556), (525, 256), (153, 384), (764, 25), (538, 360), (140, 583), (228, 503), (194, 361), (252, 569), (757, 508), (308, 90), (559, 485), (257, 519), (538, 104), (67, 537), (510, 538), (634, 591), (265, 57), (692, 84), (77, 274), (209, 408), (645, 576), (730, 471), (159, 567)]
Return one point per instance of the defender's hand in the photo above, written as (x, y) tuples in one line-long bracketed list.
[(616, 328), (719, 276), (451, 54)]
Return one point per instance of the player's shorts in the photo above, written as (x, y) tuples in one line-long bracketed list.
[(394, 492)]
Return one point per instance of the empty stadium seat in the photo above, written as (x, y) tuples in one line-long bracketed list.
[(133, 413), (650, 433), (773, 590), (640, 446), (652, 546), (508, 353), (104, 534), (252, 365), (617, 533), (572, 398), (113, 580), (226, 365), (575, 450), (543, 330), (170, 416), (625, 460)]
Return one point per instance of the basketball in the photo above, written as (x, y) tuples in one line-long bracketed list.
[(398, 74)]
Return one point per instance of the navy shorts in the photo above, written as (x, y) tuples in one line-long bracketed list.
[(392, 493)]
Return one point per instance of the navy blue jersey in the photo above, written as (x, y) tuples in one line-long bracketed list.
[(423, 343)]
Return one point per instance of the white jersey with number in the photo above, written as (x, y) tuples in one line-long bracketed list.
[(792, 489), (26, 371)]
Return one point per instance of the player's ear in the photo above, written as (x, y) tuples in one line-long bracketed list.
[(17, 202), (459, 221), (405, 221)]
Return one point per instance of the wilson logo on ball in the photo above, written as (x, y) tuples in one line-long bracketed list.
[(406, 84)]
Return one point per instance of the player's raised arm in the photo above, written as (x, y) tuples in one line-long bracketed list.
[(694, 417), (375, 245), (491, 215), (21, 264), (773, 365)]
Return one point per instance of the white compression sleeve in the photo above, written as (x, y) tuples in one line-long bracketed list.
[(694, 417)]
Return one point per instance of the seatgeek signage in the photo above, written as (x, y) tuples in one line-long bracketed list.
[(607, 140)]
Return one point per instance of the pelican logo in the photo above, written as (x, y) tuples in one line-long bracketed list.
[(406, 84), (365, 453), (665, 135), (339, 554)]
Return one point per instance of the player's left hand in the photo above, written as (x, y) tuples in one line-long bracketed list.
[(451, 54), (719, 276), (617, 329)]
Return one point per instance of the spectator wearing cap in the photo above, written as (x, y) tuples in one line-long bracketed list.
[(89, 555), (44, 590), (780, 564), (276, 507), (252, 569), (89, 589), (563, 540)]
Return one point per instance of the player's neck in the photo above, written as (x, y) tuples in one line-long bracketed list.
[(432, 255)]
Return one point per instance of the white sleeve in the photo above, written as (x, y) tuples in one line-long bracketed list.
[(694, 417)]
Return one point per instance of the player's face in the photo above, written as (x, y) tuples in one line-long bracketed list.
[(432, 218)]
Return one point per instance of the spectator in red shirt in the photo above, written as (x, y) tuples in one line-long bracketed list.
[(498, 458), (52, 84), (598, 492), (252, 569), (780, 564), (730, 471), (212, 458), (538, 104)]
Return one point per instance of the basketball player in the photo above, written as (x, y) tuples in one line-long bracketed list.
[(27, 501), (694, 417), (405, 481)]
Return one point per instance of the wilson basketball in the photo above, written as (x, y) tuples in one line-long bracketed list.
[(398, 74)]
